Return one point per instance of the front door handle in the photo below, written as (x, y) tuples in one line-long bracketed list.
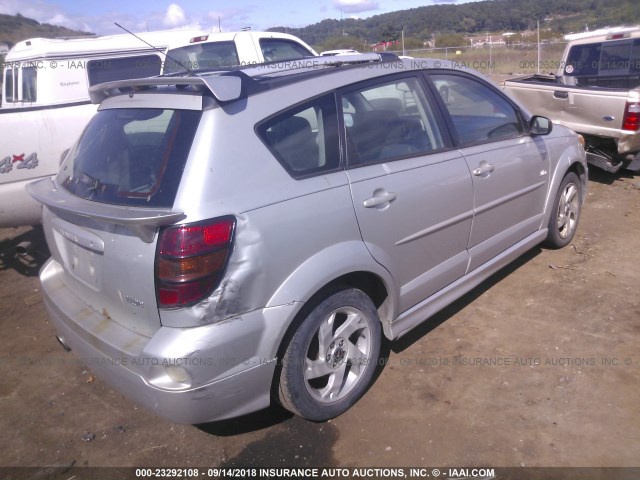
[(483, 169), (378, 200), (560, 94)]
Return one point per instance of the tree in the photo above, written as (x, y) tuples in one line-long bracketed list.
[(388, 33)]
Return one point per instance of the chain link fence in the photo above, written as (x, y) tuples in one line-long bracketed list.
[(498, 58)]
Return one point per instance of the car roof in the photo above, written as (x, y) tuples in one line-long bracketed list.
[(237, 82)]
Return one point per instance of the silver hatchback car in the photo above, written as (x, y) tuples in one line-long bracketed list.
[(227, 239)]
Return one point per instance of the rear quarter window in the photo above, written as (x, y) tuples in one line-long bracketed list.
[(131, 156), (304, 139)]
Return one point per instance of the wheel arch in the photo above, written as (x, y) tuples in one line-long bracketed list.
[(571, 160), (372, 284)]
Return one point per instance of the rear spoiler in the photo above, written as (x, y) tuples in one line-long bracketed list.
[(142, 222), (227, 85), (224, 87)]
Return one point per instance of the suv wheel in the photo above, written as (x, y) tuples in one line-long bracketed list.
[(331, 358), (566, 212)]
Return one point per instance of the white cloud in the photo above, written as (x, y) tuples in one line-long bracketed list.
[(64, 21), (175, 16), (355, 6)]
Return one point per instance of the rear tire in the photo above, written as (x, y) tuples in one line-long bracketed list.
[(331, 358), (566, 212)]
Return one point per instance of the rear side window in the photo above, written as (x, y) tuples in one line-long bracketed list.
[(202, 56), (131, 156), (389, 120), (479, 113), (277, 49), (27, 80), (305, 138), (9, 85), (29, 83), (112, 69)]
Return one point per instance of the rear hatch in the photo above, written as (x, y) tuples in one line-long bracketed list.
[(115, 188)]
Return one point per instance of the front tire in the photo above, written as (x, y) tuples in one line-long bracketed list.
[(331, 358), (566, 212)]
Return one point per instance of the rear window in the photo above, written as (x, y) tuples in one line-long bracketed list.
[(278, 49), (202, 56), (112, 69), (131, 157), (608, 58)]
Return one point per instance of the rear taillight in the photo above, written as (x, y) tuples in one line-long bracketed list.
[(631, 120), (191, 260)]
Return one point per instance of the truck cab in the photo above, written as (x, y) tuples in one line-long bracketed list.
[(46, 104), (610, 59), (230, 49)]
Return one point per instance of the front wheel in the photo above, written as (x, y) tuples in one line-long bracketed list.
[(331, 358), (566, 212)]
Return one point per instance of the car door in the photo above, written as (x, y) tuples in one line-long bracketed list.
[(412, 192), (509, 167)]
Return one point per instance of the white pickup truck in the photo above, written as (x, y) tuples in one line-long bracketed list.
[(596, 92), (45, 98)]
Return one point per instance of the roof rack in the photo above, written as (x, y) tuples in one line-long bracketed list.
[(227, 85), (283, 66)]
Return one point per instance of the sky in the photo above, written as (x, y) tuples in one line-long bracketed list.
[(147, 15)]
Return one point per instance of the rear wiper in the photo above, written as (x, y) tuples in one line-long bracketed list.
[(93, 184)]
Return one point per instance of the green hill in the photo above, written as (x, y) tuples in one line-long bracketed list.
[(14, 28), (561, 16)]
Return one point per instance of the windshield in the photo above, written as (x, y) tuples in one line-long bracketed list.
[(131, 156)]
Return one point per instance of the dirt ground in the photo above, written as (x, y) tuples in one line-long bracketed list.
[(539, 366)]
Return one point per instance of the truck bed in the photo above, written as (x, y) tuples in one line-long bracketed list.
[(595, 111)]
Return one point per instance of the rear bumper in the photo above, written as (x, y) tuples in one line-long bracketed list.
[(186, 375)]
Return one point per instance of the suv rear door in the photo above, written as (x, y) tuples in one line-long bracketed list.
[(412, 195)]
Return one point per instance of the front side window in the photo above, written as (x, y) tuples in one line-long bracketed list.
[(479, 113), (202, 56), (276, 49), (112, 69), (131, 156), (305, 138), (390, 120)]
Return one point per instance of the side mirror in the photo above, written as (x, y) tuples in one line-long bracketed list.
[(540, 125)]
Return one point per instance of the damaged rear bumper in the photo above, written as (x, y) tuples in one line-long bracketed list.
[(186, 375)]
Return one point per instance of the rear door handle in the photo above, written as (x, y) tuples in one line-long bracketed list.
[(560, 94), (483, 169), (378, 200)]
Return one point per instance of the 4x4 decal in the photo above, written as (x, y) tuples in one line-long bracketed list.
[(6, 164)]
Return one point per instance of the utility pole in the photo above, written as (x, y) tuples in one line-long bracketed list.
[(538, 28)]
